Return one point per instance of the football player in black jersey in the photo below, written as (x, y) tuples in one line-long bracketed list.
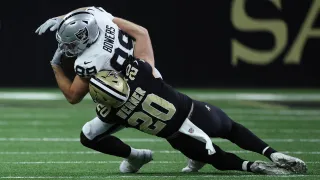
[(148, 104), (138, 100)]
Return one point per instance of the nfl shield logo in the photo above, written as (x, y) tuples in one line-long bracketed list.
[(191, 130)]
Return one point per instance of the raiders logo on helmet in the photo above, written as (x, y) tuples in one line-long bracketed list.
[(82, 34)]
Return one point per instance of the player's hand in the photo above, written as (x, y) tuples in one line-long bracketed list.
[(56, 60), (52, 23)]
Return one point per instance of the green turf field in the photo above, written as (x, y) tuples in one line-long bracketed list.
[(39, 139)]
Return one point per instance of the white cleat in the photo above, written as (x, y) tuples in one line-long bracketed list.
[(133, 165), (290, 163), (193, 166), (268, 168)]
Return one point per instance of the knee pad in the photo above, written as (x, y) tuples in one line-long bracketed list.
[(96, 127)]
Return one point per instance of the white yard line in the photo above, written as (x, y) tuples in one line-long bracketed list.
[(203, 96), (257, 96), (61, 120), (58, 129), (33, 123), (88, 162), (44, 139), (30, 96), (247, 152), (105, 162), (154, 176), (15, 119), (157, 151), (24, 115), (235, 111), (289, 131), (283, 112), (274, 118)]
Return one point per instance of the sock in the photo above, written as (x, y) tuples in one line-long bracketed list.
[(246, 166), (268, 151), (134, 153)]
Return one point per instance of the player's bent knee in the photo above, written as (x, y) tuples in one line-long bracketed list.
[(87, 130), (94, 128)]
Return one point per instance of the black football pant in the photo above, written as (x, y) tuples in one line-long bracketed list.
[(196, 150), (216, 124)]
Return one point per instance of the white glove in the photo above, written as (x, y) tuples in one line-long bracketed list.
[(52, 23), (56, 60)]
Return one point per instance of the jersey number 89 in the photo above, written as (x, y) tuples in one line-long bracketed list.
[(86, 72)]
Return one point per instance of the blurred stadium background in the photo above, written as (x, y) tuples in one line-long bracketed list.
[(256, 59)]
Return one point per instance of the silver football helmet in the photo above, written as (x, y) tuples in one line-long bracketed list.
[(77, 31)]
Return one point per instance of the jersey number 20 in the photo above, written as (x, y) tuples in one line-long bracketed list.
[(163, 112)]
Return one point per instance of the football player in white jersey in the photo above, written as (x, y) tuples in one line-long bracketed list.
[(95, 38)]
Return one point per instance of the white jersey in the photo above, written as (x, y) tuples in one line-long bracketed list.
[(110, 50)]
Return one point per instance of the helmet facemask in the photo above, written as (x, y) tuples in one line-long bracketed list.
[(74, 48)]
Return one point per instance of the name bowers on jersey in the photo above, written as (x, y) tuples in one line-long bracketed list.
[(109, 39), (132, 103)]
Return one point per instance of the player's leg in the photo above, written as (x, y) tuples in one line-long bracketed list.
[(96, 135), (245, 139), (221, 160), (219, 124)]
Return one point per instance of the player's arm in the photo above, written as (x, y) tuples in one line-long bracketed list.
[(73, 91), (79, 9), (53, 23), (90, 9), (143, 47)]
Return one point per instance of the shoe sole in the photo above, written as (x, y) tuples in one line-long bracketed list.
[(270, 169), (295, 166)]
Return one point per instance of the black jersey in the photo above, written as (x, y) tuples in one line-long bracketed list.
[(153, 107)]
